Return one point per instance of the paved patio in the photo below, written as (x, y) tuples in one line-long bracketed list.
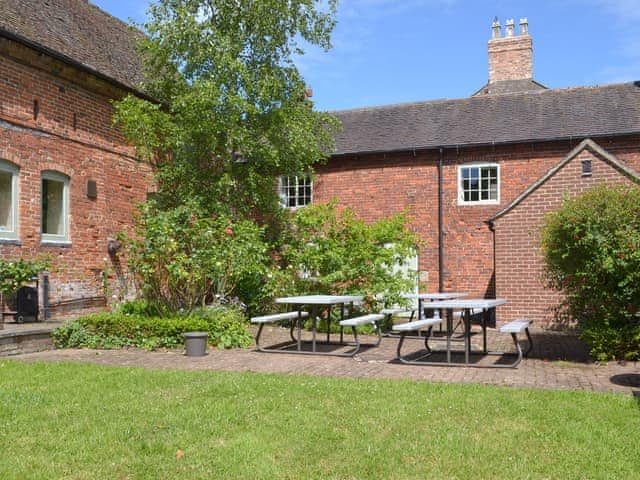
[(558, 361)]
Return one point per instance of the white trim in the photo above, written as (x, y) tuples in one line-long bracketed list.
[(11, 232), (479, 165), (64, 236)]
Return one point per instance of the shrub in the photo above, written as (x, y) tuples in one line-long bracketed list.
[(591, 248), (17, 273), (333, 252), (183, 258), (226, 328)]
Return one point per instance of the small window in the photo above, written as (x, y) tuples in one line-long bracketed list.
[(8, 200), (296, 191), (55, 207), (478, 184)]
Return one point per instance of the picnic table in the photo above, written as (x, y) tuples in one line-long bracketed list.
[(467, 307), (435, 296), (317, 304)]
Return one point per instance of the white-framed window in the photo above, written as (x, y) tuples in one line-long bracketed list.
[(295, 190), (55, 207), (8, 200), (478, 183)]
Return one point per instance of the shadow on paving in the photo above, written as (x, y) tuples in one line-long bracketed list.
[(558, 346)]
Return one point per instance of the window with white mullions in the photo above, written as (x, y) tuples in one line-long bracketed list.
[(55, 207), (8, 200), (296, 191), (478, 183)]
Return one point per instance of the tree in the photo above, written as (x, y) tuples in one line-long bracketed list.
[(591, 247), (231, 111)]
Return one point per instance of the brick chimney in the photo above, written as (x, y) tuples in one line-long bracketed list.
[(510, 57)]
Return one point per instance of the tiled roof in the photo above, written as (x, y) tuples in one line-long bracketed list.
[(510, 86), (492, 119), (78, 32)]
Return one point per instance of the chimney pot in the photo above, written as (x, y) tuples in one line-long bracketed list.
[(495, 28), (509, 28), (510, 58)]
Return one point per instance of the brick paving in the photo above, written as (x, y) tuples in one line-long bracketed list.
[(558, 361)]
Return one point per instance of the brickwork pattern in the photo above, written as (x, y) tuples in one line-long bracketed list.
[(52, 123), (379, 185), (558, 361), (510, 58), (519, 260)]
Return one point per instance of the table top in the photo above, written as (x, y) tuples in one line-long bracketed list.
[(463, 304), (435, 296), (319, 299)]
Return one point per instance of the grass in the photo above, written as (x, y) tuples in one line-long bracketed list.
[(75, 421)]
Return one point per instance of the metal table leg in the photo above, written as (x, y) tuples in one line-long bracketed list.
[(467, 335)]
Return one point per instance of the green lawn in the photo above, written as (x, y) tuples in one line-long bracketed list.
[(89, 422)]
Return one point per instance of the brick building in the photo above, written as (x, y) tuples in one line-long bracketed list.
[(477, 174), (68, 181)]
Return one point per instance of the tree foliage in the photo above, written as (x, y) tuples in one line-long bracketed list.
[(592, 251), (231, 115), (334, 252), (231, 112), (184, 258)]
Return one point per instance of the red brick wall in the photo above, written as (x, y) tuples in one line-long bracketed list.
[(379, 185), (72, 134), (519, 261), (510, 58)]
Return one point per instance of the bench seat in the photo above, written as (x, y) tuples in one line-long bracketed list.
[(397, 310), (362, 320), (278, 317), (417, 325), (516, 326)]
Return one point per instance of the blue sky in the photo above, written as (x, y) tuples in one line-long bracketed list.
[(394, 51)]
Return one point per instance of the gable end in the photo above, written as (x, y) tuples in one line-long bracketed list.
[(586, 144)]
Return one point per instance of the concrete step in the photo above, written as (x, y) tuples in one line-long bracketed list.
[(30, 340)]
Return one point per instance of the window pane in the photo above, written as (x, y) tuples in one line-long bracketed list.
[(52, 207), (6, 201), (296, 191), (478, 183)]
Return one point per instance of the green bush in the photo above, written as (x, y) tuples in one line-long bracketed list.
[(226, 328), (17, 273), (333, 252), (137, 307), (592, 252), (183, 258)]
